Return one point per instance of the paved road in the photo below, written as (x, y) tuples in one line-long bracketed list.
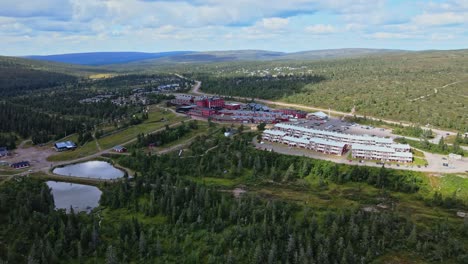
[(435, 161), (439, 132)]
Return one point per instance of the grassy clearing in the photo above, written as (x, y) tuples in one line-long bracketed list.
[(101, 76), (451, 139), (87, 149), (419, 161), (451, 184), (153, 123), (203, 128), (7, 171), (217, 182), (116, 216)]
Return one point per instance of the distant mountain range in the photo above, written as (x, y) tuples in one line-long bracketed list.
[(105, 58)]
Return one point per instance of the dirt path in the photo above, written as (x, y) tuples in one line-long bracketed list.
[(436, 90)]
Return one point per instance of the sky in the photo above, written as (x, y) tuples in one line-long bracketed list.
[(42, 27)]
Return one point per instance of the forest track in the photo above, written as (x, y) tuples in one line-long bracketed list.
[(436, 90)]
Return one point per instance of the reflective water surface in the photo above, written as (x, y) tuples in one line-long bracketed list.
[(90, 169), (80, 197)]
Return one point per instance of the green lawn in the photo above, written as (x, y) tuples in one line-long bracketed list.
[(153, 123), (202, 129), (449, 184), (115, 216), (87, 149), (7, 171)]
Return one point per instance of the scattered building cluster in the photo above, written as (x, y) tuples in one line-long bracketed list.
[(217, 109), (134, 99), (96, 99), (335, 143), (64, 146), (139, 96)]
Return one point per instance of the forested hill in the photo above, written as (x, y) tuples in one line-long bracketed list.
[(18, 75), (122, 59)]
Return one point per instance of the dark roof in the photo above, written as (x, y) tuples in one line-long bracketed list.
[(21, 163), (2, 149)]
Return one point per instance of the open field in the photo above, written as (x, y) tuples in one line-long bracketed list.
[(87, 149), (157, 119), (154, 122)]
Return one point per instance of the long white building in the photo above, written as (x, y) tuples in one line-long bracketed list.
[(316, 144), (380, 153), (363, 147), (299, 131)]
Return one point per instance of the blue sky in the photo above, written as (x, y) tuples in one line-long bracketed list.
[(66, 26)]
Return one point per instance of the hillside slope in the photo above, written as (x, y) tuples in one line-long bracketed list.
[(18, 75)]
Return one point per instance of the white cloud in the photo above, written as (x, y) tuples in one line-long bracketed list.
[(440, 19), (274, 23), (320, 29), (391, 35)]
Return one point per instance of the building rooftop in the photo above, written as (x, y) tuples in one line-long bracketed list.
[(378, 140), (274, 132), (65, 144), (320, 114), (382, 149)]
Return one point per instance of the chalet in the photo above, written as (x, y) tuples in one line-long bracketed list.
[(4, 152), (64, 146), (119, 149), (20, 165)]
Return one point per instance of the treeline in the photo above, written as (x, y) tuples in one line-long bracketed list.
[(267, 87), (145, 80), (67, 102), (413, 131), (441, 147), (236, 158), (31, 230), (41, 127), (8, 140), (168, 135), (252, 230), (16, 79), (160, 216)]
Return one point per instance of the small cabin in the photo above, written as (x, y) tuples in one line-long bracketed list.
[(20, 165), (120, 149)]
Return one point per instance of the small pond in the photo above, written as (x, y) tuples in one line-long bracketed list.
[(83, 198), (90, 169)]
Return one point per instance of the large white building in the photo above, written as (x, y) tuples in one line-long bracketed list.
[(380, 153), (316, 144), (363, 147)]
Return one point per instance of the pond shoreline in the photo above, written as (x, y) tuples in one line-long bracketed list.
[(92, 169)]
